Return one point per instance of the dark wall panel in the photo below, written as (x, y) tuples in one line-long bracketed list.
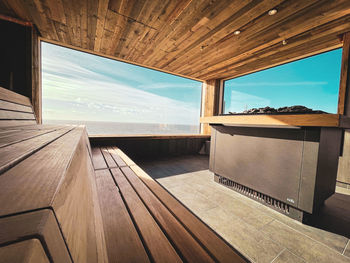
[(16, 58)]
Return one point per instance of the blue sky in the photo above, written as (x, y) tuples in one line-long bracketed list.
[(312, 82), (84, 87)]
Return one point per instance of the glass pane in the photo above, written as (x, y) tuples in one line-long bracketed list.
[(113, 97), (311, 82)]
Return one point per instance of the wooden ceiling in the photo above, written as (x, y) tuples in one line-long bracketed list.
[(193, 38)]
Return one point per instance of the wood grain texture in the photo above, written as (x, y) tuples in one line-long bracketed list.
[(28, 251), (76, 200), (190, 250), (210, 102), (122, 240), (321, 120), (39, 224), (5, 105), (98, 159), (344, 77), (190, 38), (157, 243), (220, 250), (66, 185), (119, 161), (15, 115), (12, 123), (14, 153), (19, 135), (108, 158), (11, 96)]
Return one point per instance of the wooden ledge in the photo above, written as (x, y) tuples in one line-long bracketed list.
[(147, 136), (316, 120)]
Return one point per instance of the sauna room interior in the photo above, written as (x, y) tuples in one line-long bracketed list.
[(262, 181)]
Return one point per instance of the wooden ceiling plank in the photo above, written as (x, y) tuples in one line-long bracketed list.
[(164, 22), (101, 19), (138, 29), (134, 27), (253, 27), (117, 39), (68, 14), (325, 44), (182, 22), (84, 26), (312, 36), (92, 22), (19, 9), (56, 10), (149, 16), (269, 38), (184, 36), (235, 22)]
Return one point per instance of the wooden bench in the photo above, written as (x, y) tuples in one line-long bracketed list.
[(61, 201), (48, 192), (15, 109), (144, 223)]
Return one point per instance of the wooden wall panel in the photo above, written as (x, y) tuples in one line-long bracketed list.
[(210, 101), (344, 90), (141, 147)]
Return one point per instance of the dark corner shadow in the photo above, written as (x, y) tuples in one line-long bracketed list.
[(172, 166), (334, 215)]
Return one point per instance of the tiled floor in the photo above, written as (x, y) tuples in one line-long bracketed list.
[(258, 232)]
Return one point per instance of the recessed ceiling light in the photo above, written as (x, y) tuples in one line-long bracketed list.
[(272, 12), (284, 42), (237, 32)]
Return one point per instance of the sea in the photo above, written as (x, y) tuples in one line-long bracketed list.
[(122, 128)]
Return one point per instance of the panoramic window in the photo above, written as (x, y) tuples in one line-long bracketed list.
[(312, 83), (112, 97)]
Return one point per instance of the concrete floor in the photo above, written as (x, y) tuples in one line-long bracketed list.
[(258, 232)]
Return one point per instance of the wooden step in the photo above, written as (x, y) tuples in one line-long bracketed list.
[(54, 171), (40, 225)]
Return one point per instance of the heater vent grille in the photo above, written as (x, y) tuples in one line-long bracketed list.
[(262, 198)]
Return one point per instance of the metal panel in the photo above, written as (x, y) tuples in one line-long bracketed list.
[(308, 171), (266, 160)]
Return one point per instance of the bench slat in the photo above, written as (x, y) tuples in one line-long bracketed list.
[(12, 154), (184, 242), (157, 243), (5, 105), (218, 247), (16, 115), (18, 136), (122, 240), (108, 158), (9, 123), (33, 182), (11, 96), (116, 157), (98, 160)]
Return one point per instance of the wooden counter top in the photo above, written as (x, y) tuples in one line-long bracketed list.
[(317, 120)]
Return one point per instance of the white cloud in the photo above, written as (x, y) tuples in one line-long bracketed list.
[(73, 92)]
